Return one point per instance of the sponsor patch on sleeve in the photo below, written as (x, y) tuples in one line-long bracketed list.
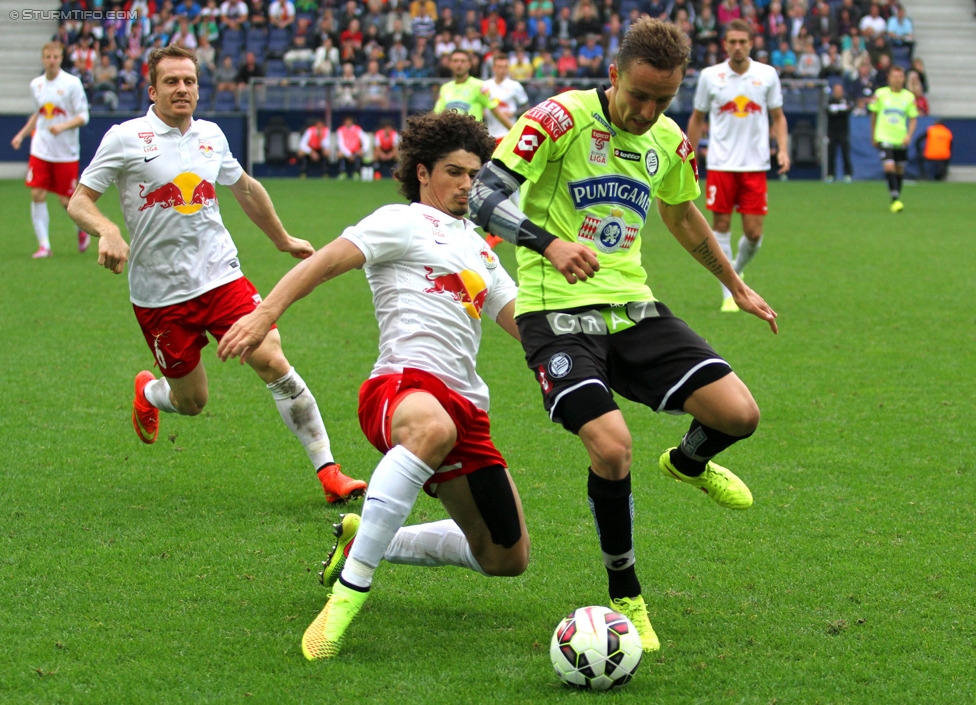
[(553, 118), (684, 149), (528, 143)]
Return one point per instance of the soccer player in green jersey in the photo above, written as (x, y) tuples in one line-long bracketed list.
[(893, 120), (588, 167), (466, 94)]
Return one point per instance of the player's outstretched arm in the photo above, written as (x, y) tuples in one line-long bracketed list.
[(696, 126), (780, 131), (506, 319), (113, 250), (336, 258), (257, 205), (690, 228)]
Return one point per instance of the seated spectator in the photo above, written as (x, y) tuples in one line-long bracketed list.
[(128, 79), (676, 6), (347, 91), (901, 30), (519, 35), (587, 21), (711, 54), (776, 27), (862, 87), (545, 67), (350, 145), (233, 14), (783, 59), (209, 22), (259, 14), (808, 62), (446, 22), (423, 24), (418, 7), (248, 70), (314, 148), (105, 82), (326, 60), (706, 27), (822, 23), (444, 46), (727, 11), (853, 52), (918, 66), (298, 55), (471, 42), (831, 64), (881, 70), (566, 64), (914, 84), (419, 68), (189, 9), (589, 57), (226, 74), (374, 87), (184, 36), (386, 148), (520, 65), (206, 55), (873, 24), (281, 13), (564, 28), (877, 48)]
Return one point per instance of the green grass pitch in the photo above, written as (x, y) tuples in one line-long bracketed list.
[(185, 572)]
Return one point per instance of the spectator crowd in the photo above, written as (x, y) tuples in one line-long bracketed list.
[(364, 44)]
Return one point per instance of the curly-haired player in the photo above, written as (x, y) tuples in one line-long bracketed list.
[(424, 406)]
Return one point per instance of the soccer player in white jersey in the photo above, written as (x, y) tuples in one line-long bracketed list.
[(185, 279), (740, 97), (434, 281), (62, 108)]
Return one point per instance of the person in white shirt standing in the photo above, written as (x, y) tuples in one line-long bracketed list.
[(185, 279), (511, 97), (740, 97), (62, 108), (434, 282)]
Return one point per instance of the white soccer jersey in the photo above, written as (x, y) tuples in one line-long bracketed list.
[(738, 114), (510, 96), (433, 278), (57, 101), (179, 247)]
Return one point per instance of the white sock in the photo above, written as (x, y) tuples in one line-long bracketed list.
[(747, 250), (437, 543), (393, 489), (42, 222), (300, 413), (725, 244), (157, 394)]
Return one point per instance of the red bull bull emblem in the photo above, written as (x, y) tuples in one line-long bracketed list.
[(50, 111), (187, 194), (206, 149), (741, 106), (466, 287)]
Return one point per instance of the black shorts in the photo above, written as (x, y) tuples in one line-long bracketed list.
[(651, 357), (891, 153)]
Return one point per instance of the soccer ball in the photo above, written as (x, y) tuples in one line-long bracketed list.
[(595, 648)]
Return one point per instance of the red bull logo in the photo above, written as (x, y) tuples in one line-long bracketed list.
[(741, 106), (187, 194), (50, 110), (466, 287)]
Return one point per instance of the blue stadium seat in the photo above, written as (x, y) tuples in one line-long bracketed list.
[(128, 101), (278, 40), (300, 68), (225, 102), (257, 42), (232, 42), (205, 101), (275, 68), (901, 56)]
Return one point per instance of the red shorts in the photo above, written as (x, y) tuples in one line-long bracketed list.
[(176, 334), (57, 177), (744, 191), (379, 398)]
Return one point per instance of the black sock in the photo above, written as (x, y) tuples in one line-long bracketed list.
[(699, 445), (892, 180), (612, 506), (899, 182)]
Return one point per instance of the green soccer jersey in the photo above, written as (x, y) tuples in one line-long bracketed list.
[(893, 110), (589, 182), (468, 98)]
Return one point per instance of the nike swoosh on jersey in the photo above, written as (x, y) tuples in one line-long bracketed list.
[(149, 159)]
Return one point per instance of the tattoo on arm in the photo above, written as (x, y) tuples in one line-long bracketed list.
[(705, 255)]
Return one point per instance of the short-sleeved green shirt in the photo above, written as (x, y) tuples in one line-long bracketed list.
[(893, 112), (468, 98), (589, 182)]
